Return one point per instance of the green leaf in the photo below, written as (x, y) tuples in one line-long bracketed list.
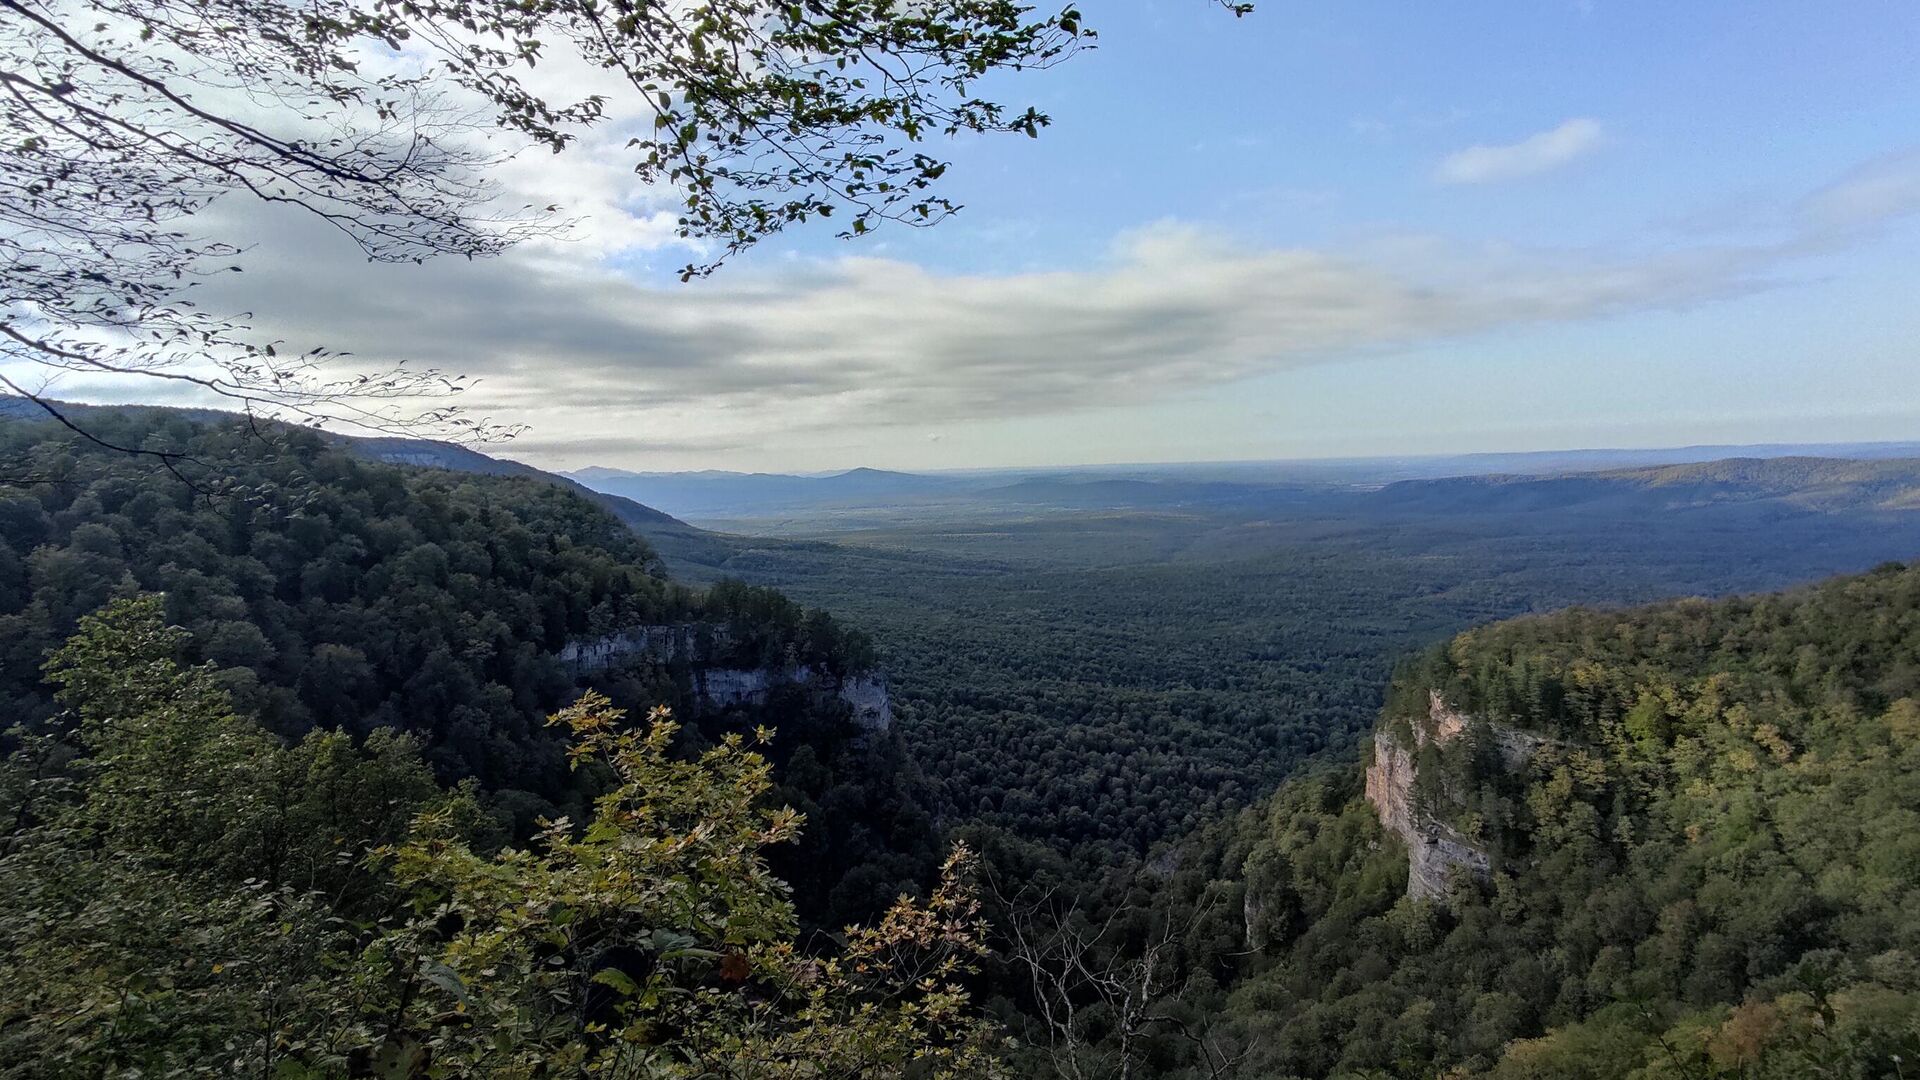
[(446, 979), (617, 979)]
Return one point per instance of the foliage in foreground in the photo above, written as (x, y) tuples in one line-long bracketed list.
[(124, 121), (181, 894), (337, 593)]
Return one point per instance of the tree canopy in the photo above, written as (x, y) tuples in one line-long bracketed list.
[(1710, 871), (183, 895)]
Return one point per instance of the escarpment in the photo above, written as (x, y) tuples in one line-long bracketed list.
[(700, 650), (1435, 849)]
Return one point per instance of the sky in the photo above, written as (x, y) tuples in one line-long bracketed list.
[(1323, 230)]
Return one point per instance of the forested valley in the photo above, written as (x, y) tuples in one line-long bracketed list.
[(958, 540), (1102, 677), (285, 797)]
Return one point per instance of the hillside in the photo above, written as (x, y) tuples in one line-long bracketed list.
[(388, 449), (1680, 841), (1827, 485), (333, 592), (445, 455)]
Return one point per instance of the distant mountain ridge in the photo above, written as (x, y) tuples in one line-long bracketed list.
[(1805, 483), (445, 455), (719, 493), (1853, 477), (1797, 484), (723, 496)]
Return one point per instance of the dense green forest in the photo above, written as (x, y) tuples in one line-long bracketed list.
[(333, 748), (277, 802), (1711, 872), (1103, 681), (331, 593), (184, 894)]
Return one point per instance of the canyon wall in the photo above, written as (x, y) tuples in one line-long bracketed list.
[(692, 645), (1435, 849)]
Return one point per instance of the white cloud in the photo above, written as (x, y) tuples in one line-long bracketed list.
[(1530, 156), (772, 359), (1865, 197), (761, 357)]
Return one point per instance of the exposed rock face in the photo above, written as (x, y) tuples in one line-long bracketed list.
[(872, 706), (865, 694), (1445, 723), (1253, 910), (1434, 848), (1390, 785), (690, 644)]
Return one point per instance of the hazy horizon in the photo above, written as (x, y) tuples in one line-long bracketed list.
[(1833, 448)]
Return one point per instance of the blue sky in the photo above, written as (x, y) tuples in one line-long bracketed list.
[(1306, 123), (1326, 124), (1323, 230)]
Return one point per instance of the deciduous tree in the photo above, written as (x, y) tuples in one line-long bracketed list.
[(122, 122)]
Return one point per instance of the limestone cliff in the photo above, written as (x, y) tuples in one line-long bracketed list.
[(1445, 723), (1435, 849), (692, 646)]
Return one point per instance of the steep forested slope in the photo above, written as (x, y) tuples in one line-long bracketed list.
[(1703, 861), (333, 592), (456, 458), (184, 895)]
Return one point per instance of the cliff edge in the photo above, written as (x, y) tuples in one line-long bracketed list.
[(693, 646), (1436, 851)]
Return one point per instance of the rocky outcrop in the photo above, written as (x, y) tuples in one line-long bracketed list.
[(866, 695), (872, 705), (1515, 746), (692, 645), (1253, 913), (1435, 849), (687, 643)]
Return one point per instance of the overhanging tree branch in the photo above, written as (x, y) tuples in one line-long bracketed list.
[(123, 121)]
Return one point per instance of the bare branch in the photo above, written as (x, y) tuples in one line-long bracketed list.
[(122, 121)]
